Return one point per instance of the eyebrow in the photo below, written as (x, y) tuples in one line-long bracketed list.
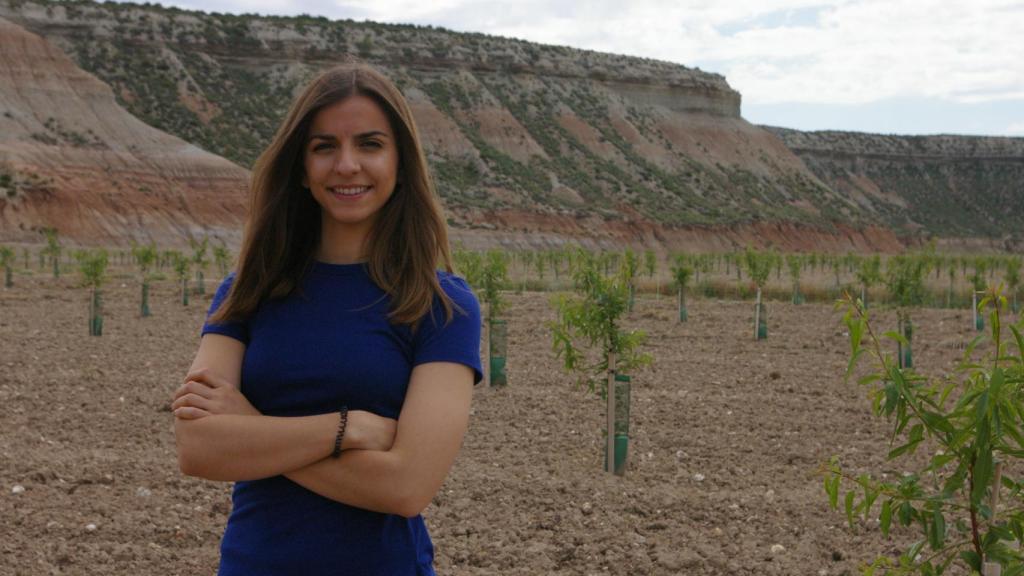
[(332, 137)]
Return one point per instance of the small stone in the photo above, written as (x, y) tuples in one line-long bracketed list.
[(770, 494), (18, 489), (698, 477), (586, 508), (680, 454), (90, 527), (778, 549), (143, 492), (650, 455)]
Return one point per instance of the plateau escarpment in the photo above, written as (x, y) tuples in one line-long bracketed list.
[(529, 144), (952, 186), (590, 144), (72, 159)]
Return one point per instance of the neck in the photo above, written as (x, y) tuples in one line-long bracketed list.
[(342, 244)]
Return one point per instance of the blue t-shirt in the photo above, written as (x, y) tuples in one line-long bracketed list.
[(327, 345)]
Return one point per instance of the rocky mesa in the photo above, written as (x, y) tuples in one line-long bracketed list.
[(72, 158), (531, 145)]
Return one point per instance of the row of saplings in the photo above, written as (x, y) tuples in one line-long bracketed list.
[(970, 420), (964, 501), (93, 264)]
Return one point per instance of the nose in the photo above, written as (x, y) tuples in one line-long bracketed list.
[(347, 162)]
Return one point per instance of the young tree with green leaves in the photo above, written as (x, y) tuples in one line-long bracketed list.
[(951, 272), (630, 266), (223, 259), (93, 266), (182, 267), (759, 266), (978, 286), (970, 422), (1013, 281), (869, 273), (905, 283), (487, 274), (200, 261), (145, 256), (6, 259), (53, 249), (795, 264), (651, 268), (681, 273), (591, 319)]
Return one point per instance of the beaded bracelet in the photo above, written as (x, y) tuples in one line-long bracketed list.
[(342, 423)]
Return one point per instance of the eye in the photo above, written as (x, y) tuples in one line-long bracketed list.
[(322, 146), (372, 144)]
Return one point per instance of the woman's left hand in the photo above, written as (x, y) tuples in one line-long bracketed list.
[(204, 394)]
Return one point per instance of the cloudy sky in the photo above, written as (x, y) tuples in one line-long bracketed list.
[(886, 66)]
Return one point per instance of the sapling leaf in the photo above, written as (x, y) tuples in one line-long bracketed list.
[(946, 392), (938, 529), (895, 336), (868, 379), (982, 472), (971, 558), (1020, 344), (870, 495), (905, 514), (914, 550), (885, 518), (848, 503), (832, 489), (854, 357)]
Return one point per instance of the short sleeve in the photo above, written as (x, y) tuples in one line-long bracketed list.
[(237, 330), (455, 341)]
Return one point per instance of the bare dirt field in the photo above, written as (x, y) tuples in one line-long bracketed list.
[(728, 436)]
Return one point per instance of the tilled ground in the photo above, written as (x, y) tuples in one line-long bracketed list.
[(728, 437)]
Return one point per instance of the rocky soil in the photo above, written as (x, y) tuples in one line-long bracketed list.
[(728, 436)]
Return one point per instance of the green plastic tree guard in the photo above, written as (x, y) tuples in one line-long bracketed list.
[(145, 300), (762, 322), (498, 347), (622, 395)]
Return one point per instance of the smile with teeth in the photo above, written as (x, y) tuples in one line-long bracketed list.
[(348, 190)]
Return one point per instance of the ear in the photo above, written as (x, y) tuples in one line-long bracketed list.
[(305, 181)]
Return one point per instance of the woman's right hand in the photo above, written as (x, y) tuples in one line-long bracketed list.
[(368, 431)]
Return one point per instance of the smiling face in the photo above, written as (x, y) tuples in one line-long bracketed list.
[(351, 166)]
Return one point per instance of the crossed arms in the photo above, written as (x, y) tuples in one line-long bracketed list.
[(389, 466)]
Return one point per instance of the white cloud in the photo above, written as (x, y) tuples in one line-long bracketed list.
[(817, 51)]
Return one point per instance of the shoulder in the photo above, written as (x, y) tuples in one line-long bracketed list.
[(455, 287)]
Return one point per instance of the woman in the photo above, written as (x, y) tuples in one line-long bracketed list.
[(334, 376)]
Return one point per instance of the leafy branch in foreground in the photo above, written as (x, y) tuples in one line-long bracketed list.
[(972, 423)]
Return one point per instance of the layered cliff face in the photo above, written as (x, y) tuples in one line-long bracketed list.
[(953, 186), (530, 145), (71, 158), (587, 144)]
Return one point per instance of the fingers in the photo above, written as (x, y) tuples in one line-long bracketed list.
[(193, 400), (193, 387), (190, 413)]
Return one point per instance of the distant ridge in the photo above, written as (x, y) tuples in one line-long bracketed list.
[(537, 145)]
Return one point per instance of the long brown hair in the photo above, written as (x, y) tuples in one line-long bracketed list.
[(409, 239)]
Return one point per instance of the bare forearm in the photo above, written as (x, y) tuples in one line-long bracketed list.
[(234, 447), (369, 479)]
